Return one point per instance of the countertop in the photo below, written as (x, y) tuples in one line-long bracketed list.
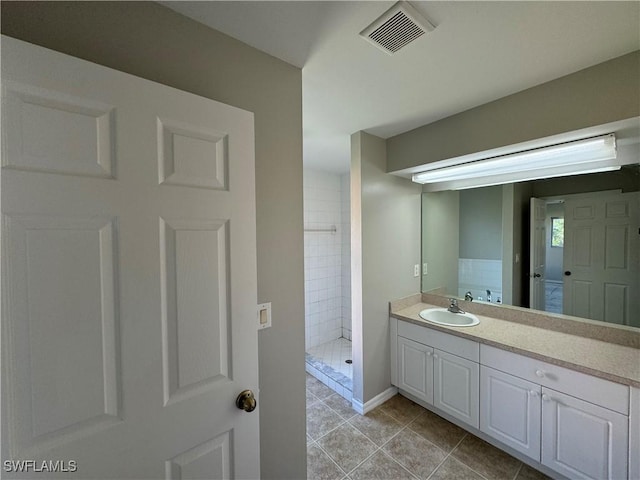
[(610, 361)]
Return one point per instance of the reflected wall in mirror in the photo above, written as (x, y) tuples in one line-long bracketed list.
[(580, 259)]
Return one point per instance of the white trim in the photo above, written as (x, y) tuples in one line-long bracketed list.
[(364, 408), (634, 432)]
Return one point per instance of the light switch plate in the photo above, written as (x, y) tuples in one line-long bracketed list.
[(264, 315)]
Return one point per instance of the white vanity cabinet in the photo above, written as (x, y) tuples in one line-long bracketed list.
[(573, 423), (439, 369), (565, 421)]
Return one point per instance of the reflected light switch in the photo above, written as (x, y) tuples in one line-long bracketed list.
[(264, 315)]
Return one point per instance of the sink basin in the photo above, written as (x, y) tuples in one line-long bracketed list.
[(442, 316)]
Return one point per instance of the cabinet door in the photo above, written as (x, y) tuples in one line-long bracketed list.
[(415, 369), (581, 440), (456, 388), (510, 411)]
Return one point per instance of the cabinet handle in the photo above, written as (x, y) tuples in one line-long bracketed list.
[(540, 373), (533, 393), (546, 397), (429, 354), (435, 355)]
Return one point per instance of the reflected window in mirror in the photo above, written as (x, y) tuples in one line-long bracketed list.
[(557, 232)]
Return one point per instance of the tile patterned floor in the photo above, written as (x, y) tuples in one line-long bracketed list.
[(398, 440)]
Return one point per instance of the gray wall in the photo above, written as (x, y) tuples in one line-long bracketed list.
[(385, 246), (604, 93), (515, 243), (481, 223), (440, 240), (153, 42)]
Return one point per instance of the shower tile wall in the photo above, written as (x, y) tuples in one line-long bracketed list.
[(323, 257)]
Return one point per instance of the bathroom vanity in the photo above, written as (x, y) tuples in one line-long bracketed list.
[(563, 402)]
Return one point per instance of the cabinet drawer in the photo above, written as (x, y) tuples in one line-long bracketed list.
[(614, 396), (443, 341)]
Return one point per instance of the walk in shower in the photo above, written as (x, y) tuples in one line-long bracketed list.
[(327, 272)]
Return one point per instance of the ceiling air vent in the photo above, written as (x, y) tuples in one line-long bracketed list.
[(396, 28)]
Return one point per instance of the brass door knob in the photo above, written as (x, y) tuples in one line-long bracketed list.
[(246, 401)]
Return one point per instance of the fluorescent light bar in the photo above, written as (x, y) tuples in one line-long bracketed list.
[(490, 182), (556, 160)]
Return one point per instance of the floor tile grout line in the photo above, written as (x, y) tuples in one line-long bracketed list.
[(334, 428), (447, 456), (401, 466), (336, 412), (460, 460), (331, 458), (405, 427), (518, 471), (378, 448)]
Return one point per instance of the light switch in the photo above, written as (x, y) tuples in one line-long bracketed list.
[(424, 268), (264, 315), (416, 270)]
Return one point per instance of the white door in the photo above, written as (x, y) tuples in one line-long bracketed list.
[(455, 386), (415, 369), (601, 257), (581, 440), (538, 253), (129, 274), (510, 411)]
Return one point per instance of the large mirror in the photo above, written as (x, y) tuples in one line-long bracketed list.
[(563, 245)]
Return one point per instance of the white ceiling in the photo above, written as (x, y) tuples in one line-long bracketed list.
[(480, 51)]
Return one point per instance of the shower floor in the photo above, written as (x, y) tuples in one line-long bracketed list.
[(327, 362)]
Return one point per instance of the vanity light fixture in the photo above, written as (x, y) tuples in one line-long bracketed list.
[(590, 155)]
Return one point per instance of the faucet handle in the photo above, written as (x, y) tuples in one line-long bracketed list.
[(453, 302)]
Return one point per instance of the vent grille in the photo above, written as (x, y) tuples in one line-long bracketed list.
[(396, 28)]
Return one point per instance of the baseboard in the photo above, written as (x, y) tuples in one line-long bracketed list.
[(363, 408)]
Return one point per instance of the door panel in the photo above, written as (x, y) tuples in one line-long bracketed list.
[(601, 257), (195, 316), (57, 132), (63, 398), (129, 273)]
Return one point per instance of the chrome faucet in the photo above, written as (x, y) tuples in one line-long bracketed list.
[(468, 297), (488, 295), (453, 306)]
